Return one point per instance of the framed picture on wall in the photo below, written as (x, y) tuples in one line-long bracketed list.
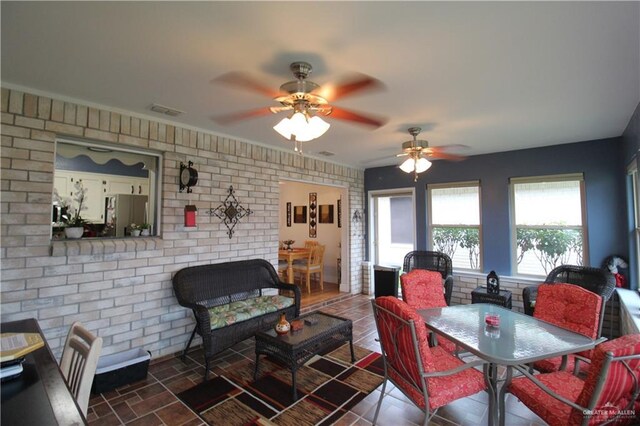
[(288, 214), (339, 213), (300, 214), (326, 213)]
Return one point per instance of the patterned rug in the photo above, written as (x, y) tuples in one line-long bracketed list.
[(328, 385)]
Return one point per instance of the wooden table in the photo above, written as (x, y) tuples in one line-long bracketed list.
[(290, 256), (39, 396)]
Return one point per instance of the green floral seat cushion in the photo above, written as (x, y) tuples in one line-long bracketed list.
[(224, 315)]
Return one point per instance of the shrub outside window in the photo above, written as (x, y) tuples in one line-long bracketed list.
[(548, 217), (454, 222)]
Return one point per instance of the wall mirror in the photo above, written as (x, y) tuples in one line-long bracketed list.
[(109, 191)]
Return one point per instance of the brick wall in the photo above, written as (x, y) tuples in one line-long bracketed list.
[(121, 288)]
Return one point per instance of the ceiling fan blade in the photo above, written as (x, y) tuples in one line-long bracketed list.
[(350, 86), (246, 82), (404, 154), (242, 115), (368, 120), (443, 155), (454, 147)]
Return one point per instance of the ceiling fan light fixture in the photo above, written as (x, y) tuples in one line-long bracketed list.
[(301, 127), (422, 165), (408, 165)]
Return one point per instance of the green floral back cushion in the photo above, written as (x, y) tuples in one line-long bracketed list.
[(230, 313)]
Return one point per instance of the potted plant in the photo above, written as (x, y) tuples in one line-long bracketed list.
[(146, 229), (136, 230), (71, 216)]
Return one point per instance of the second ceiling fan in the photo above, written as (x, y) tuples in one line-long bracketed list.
[(419, 151), (307, 100)]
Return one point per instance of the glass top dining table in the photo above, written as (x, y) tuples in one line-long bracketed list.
[(518, 339)]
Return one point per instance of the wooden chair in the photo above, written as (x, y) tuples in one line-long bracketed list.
[(423, 289), (608, 395), (283, 265), (313, 265), (571, 307), (79, 361), (432, 261), (429, 377), (310, 243)]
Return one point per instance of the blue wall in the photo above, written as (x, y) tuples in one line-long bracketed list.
[(601, 162)]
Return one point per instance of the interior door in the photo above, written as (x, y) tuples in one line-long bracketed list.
[(393, 226)]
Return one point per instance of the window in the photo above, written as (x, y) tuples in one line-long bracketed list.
[(548, 225), (114, 187), (393, 226), (454, 222)]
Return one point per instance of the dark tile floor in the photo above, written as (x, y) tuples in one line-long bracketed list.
[(154, 402)]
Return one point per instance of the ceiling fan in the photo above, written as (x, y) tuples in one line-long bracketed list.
[(419, 152), (307, 100)]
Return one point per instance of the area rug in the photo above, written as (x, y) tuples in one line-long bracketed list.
[(329, 385)]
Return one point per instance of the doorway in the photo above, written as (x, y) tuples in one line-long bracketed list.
[(319, 214), (392, 226)]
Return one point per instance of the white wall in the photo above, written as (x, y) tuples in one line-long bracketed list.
[(327, 234)]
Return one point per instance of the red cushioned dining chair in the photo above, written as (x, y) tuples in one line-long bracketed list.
[(429, 377), (572, 307), (423, 289), (609, 394)]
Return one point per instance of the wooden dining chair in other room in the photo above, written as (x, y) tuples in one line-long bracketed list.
[(79, 361), (423, 289), (283, 265), (608, 395), (571, 307), (313, 265), (432, 261), (310, 243), (429, 377)]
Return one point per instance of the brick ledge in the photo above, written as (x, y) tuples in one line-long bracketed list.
[(89, 246)]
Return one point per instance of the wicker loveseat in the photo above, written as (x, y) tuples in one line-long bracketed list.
[(229, 302)]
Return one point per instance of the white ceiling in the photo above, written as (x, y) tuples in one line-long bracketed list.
[(492, 76)]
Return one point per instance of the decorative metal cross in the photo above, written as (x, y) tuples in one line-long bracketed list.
[(230, 211)]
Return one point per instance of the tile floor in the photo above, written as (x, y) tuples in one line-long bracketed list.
[(153, 401)]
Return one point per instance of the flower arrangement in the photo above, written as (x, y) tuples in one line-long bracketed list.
[(288, 244), (71, 216)]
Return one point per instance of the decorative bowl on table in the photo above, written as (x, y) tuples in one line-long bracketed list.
[(288, 244)]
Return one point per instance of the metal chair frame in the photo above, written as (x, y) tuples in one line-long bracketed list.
[(420, 387), (588, 410)]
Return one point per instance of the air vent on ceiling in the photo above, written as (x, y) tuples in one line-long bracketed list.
[(326, 153), (166, 110)]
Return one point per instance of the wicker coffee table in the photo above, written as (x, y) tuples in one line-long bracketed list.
[(297, 347)]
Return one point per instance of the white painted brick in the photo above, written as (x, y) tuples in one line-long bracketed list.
[(56, 311), (142, 266)]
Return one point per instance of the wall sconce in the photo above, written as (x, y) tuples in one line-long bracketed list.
[(357, 216)]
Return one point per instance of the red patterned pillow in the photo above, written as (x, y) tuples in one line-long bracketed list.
[(423, 289), (569, 306)]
